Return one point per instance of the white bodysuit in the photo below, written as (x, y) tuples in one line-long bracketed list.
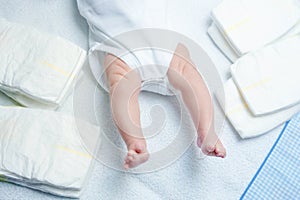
[(141, 33)]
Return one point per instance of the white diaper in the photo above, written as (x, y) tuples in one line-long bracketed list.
[(216, 35), (268, 79), (220, 41), (43, 150), (248, 25), (36, 66), (152, 71), (245, 123)]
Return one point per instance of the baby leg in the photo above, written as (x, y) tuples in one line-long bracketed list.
[(124, 86), (183, 75)]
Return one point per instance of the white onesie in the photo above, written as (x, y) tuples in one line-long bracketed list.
[(133, 31)]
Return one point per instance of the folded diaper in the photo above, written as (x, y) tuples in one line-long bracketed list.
[(245, 123), (220, 41), (6, 101), (248, 25), (268, 79), (43, 150), (36, 66)]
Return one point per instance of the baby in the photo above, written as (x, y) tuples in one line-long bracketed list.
[(120, 78)]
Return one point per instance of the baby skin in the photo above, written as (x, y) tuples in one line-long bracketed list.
[(125, 85)]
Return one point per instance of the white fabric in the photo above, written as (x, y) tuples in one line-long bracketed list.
[(37, 66), (6, 101), (248, 25), (108, 19), (268, 79), (245, 123), (143, 61), (220, 41), (43, 150), (293, 32)]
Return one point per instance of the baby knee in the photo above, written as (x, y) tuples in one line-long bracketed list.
[(177, 74), (181, 67)]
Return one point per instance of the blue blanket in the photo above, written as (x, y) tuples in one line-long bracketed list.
[(279, 175)]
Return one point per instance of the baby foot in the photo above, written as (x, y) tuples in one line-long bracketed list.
[(211, 145), (137, 154)]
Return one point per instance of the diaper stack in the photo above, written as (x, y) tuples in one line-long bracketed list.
[(40, 148), (262, 39), (37, 70)]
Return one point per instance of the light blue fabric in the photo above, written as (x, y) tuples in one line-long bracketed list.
[(279, 175)]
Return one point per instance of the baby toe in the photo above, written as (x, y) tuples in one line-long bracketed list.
[(131, 153), (126, 166), (208, 148), (220, 150)]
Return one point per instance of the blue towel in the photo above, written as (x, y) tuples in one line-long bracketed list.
[(279, 175)]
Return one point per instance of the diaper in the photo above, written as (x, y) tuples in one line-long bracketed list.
[(249, 25), (223, 45), (43, 150), (219, 40), (151, 64), (268, 79), (239, 115), (37, 67)]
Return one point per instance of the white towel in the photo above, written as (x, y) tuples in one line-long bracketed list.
[(248, 25), (37, 66), (245, 123), (268, 79), (44, 150)]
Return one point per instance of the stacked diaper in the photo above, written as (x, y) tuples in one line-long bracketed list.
[(37, 69), (241, 26), (43, 150), (264, 42)]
